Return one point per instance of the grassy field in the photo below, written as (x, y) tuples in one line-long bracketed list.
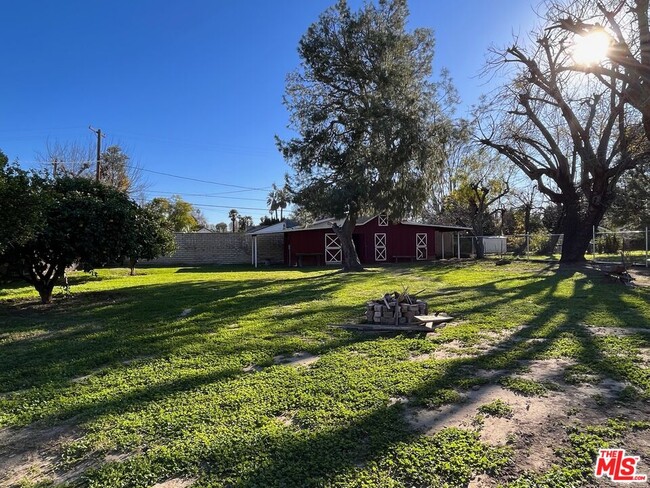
[(214, 377)]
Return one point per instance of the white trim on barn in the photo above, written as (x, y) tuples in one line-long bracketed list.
[(420, 246), (380, 247), (333, 250)]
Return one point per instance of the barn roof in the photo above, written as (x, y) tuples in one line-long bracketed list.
[(442, 227), (278, 228), (327, 224)]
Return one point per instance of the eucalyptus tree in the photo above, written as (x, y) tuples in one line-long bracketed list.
[(364, 107)]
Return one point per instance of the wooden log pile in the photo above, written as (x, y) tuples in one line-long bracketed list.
[(395, 309)]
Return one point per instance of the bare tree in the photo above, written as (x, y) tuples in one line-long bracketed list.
[(117, 169), (625, 67), (565, 131), (456, 148), (68, 158)]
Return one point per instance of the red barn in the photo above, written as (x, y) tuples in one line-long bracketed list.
[(377, 241)]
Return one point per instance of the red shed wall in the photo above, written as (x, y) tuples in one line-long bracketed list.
[(305, 241), (400, 241)]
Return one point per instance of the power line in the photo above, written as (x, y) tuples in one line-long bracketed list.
[(229, 185), (227, 147), (207, 195), (234, 191), (188, 178), (201, 205)]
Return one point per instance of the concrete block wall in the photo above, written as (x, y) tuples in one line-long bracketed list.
[(223, 248)]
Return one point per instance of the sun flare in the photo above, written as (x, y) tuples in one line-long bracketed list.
[(591, 48)]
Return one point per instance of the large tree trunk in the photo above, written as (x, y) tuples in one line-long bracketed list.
[(45, 290), (44, 281), (478, 227), (479, 247), (578, 232), (350, 259)]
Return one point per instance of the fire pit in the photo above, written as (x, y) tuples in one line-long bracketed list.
[(396, 309)]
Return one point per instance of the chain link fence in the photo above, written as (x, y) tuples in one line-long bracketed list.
[(624, 247)]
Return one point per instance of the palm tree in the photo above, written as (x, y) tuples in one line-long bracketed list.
[(232, 215), (245, 222), (282, 198), (272, 200)]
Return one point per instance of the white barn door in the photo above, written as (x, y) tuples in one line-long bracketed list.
[(420, 246), (333, 252), (380, 247)]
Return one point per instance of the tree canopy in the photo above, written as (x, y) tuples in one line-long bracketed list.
[(151, 236), (479, 184), (65, 221), (631, 206), (19, 191), (181, 216), (365, 112), (233, 215)]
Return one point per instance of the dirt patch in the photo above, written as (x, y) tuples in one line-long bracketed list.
[(421, 357), (551, 370), (175, 483), (398, 399), (301, 358), (285, 419), (483, 481), (297, 359), (136, 359), (31, 453), (644, 356), (616, 331), (117, 457), (537, 425), (81, 379), (637, 444), (252, 368), (449, 350), (641, 277)]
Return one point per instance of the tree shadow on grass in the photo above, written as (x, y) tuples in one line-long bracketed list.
[(310, 457), (108, 328), (507, 354)]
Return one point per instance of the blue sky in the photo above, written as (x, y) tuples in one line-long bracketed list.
[(194, 88)]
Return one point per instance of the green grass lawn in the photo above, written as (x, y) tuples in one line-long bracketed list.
[(182, 373)]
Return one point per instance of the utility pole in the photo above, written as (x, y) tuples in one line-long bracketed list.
[(99, 150), (54, 165)]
